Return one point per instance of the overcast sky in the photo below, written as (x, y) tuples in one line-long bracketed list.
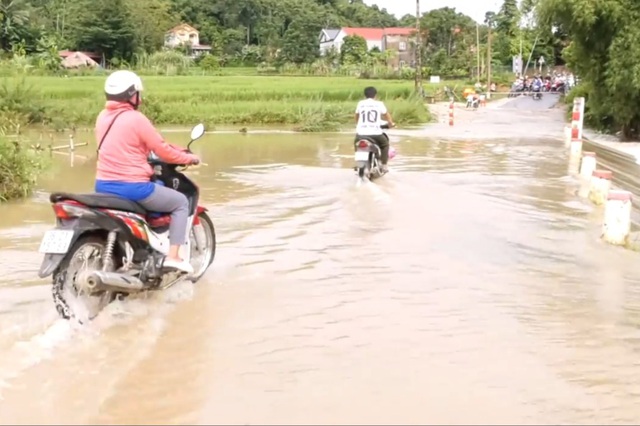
[(474, 8)]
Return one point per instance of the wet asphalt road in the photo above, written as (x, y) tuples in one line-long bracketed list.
[(527, 103)]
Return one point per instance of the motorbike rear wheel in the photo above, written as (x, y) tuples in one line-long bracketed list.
[(71, 299), (375, 172)]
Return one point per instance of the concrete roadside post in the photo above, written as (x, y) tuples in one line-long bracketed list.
[(617, 218), (587, 165), (567, 136), (577, 120), (600, 186)]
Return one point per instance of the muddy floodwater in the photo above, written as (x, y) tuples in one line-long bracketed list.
[(469, 285)]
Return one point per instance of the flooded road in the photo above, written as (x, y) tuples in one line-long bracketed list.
[(466, 286)]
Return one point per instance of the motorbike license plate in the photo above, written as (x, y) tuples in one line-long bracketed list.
[(56, 241), (362, 155)]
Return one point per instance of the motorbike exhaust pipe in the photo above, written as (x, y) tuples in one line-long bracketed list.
[(113, 281)]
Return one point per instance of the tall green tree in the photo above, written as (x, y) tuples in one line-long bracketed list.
[(106, 28), (120, 28), (407, 21), (14, 15), (353, 50), (297, 46), (151, 19), (604, 46), (449, 41), (508, 32)]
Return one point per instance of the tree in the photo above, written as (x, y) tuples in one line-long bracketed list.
[(448, 38), (297, 46), (56, 17), (14, 15), (354, 50), (603, 51), (508, 19), (120, 28), (48, 57), (358, 14), (107, 28), (151, 20), (508, 34), (407, 20)]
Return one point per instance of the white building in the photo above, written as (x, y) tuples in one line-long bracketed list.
[(184, 35)]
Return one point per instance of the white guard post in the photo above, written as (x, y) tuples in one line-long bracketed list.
[(600, 186), (617, 218), (588, 165)]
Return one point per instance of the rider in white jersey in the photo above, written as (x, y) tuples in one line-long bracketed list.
[(370, 114)]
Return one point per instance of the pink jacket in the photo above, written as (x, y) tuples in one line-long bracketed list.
[(123, 154)]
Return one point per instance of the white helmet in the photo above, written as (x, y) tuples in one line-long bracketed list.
[(122, 85)]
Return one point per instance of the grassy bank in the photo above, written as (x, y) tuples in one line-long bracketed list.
[(19, 168), (304, 103)]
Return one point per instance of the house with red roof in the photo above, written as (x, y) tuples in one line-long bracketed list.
[(64, 54), (402, 41), (382, 38)]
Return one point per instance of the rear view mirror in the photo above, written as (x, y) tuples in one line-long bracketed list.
[(197, 132)]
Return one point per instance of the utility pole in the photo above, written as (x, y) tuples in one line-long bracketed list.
[(489, 61), (418, 52), (478, 51), (526, 68), (521, 62)]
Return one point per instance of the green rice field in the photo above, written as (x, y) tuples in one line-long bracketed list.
[(303, 103)]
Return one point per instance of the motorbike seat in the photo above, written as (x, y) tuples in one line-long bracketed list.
[(100, 201)]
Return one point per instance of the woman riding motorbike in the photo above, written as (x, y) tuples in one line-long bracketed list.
[(125, 139)]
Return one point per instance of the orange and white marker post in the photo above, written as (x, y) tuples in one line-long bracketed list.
[(577, 121), (451, 113)]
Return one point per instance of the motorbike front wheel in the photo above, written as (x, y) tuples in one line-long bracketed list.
[(207, 242)]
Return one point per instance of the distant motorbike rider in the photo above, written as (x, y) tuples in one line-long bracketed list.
[(537, 84), (370, 113)]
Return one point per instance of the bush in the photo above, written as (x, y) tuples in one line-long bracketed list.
[(319, 118), (209, 62), (410, 111), (582, 91), (166, 62), (20, 101), (19, 169)]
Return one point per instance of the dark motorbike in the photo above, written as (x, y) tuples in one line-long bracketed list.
[(106, 247), (367, 157), (558, 87), (537, 94), (516, 90)]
